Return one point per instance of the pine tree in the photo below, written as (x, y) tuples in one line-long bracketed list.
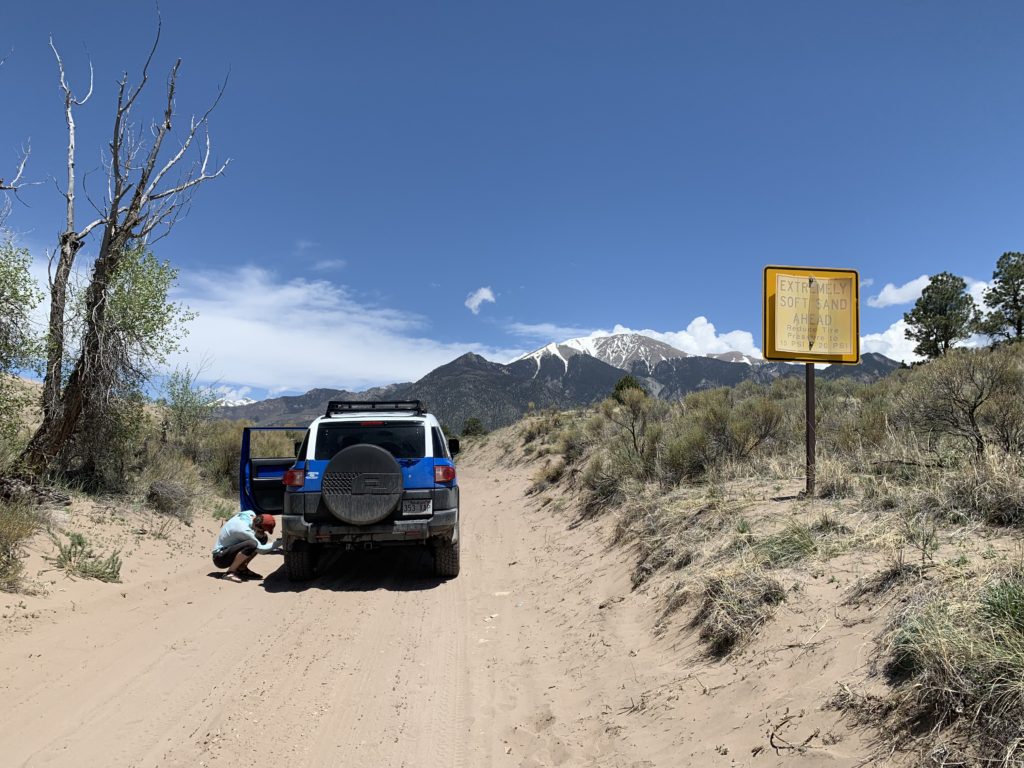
[(943, 315), (1005, 297)]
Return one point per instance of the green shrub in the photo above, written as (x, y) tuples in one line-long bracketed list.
[(104, 454), (473, 427), (18, 523), (76, 558), (687, 455), (626, 382)]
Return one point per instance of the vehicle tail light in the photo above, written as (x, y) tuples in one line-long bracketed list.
[(294, 478), (443, 473), (371, 423)]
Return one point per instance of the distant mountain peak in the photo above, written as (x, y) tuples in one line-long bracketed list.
[(619, 350), (227, 402)]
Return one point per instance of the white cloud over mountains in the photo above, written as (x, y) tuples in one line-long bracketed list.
[(478, 297), (700, 337), (892, 295), (255, 329)]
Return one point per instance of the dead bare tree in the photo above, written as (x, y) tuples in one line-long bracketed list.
[(147, 191), (17, 182)]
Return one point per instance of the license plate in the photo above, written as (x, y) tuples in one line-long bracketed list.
[(417, 507)]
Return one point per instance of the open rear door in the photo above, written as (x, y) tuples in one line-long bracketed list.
[(267, 452)]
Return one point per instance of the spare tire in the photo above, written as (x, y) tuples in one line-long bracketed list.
[(362, 484)]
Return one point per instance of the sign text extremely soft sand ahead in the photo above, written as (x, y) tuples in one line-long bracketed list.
[(811, 314)]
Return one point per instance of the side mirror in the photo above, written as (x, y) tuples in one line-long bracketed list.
[(298, 444), (453, 445)]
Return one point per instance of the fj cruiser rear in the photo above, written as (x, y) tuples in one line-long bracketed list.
[(366, 475)]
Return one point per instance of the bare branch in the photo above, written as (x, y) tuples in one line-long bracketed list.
[(69, 96), (15, 184), (195, 125), (145, 67)]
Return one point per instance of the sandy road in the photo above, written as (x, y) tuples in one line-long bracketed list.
[(376, 663), (538, 654)]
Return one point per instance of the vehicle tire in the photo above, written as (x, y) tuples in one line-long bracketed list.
[(446, 558), (300, 563), (362, 484)]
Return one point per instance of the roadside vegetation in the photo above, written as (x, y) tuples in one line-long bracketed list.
[(909, 468)]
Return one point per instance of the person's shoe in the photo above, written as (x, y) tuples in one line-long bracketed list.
[(238, 578), (245, 573)]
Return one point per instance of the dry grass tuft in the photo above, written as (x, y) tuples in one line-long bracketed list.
[(733, 606), (957, 656)]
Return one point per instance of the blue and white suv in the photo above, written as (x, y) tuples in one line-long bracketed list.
[(367, 474)]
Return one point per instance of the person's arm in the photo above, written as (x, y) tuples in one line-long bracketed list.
[(263, 542)]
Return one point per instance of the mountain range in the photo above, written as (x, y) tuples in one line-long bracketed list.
[(568, 374)]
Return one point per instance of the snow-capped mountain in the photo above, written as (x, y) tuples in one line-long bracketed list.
[(226, 402), (627, 351), (737, 357)]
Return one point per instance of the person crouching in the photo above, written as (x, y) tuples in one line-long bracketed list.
[(240, 539)]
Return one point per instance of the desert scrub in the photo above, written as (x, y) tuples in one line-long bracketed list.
[(733, 606), (958, 655), (602, 487), (223, 511), (18, 523), (76, 558), (547, 476), (221, 445), (834, 479), (989, 489), (542, 425)]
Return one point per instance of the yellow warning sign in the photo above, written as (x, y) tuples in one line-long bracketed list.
[(811, 315)]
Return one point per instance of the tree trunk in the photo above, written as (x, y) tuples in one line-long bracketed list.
[(59, 423), (69, 246)]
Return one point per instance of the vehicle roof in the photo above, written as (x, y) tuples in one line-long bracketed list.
[(427, 418)]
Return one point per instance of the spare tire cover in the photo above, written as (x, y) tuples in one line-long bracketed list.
[(362, 484)]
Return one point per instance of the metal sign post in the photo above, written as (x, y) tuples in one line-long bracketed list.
[(811, 315), (809, 398)]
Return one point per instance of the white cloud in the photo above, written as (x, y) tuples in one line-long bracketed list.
[(892, 342), (699, 338), (301, 246), (547, 331), (866, 282), (892, 295), (977, 290), (328, 264), (478, 297), (256, 329)]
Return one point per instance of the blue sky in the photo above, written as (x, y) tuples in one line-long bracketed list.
[(590, 165)]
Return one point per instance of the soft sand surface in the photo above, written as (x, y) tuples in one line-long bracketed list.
[(538, 654)]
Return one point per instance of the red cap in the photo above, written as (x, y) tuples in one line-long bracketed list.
[(266, 522)]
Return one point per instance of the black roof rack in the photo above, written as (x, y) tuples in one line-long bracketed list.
[(334, 407)]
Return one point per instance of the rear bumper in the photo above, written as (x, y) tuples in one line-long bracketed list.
[(439, 525)]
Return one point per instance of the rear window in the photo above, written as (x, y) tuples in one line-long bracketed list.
[(402, 440), (440, 449)]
